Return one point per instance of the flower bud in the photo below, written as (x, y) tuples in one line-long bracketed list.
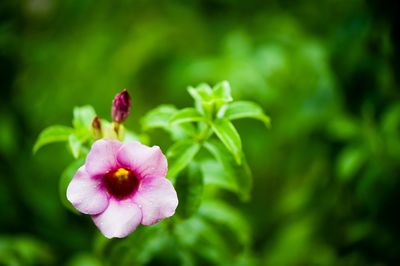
[(121, 106), (96, 127)]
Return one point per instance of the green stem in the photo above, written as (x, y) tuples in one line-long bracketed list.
[(205, 133)]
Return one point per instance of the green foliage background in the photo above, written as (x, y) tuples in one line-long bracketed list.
[(326, 175)]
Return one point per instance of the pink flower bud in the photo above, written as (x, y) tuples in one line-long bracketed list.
[(96, 127), (121, 106)]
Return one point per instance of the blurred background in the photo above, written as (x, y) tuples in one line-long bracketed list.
[(326, 175)]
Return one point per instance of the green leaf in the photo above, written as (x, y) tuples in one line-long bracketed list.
[(343, 128), (147, 247), (215, 174), (227, 216), (391, 120), (209, 101), (84, 259), (202, 93), (158, 117), (137, 249), (349, 162), (83, 117), (244, 109), (225, 172), (202, 96), (187, 115), (189, 186), (180, 155), (21, 249), (52, 134), (205, 241), (229, 136), (65, 179), (75, 145), (222, 92), (221, 95)]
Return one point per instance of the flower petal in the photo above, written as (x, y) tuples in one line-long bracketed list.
[(157, 198), (143, 160), (85, 193), (102, 157), (119, 219)]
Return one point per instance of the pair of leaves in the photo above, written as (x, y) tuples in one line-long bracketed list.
[(160, 117), (180, 155), (209, 100), (214, 233), (24, 250), (221, 97), (202, 239), (137, 249), (227, 216), (227, 132), (229, 136), (224, 172), (52, 134), (245, 109), (221, 171), (222, 126), (76, 136), (224, 129), (349, 162), (214, 112), (189, 186), (189, 183), (219, 100)]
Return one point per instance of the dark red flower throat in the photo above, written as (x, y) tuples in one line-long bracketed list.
[(121, 182)]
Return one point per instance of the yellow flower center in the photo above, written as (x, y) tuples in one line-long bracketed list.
[(122, 174)]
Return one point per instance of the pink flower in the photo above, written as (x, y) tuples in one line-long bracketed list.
[(123, 185)]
